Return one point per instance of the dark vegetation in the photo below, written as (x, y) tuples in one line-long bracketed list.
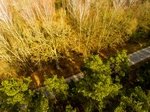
[(108, 86)]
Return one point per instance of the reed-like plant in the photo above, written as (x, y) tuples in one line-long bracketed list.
[(32, 32)]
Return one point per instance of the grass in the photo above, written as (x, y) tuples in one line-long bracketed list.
[(33, 33)]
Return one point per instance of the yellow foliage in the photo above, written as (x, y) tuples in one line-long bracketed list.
[(38, 31)]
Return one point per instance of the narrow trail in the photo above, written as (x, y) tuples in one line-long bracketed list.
[(139, 56)]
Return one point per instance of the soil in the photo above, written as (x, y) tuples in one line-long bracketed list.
[(68, 66), (64, 67), (130, 46)]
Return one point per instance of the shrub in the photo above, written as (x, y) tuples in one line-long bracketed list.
[(137, 100), (99, 86), (100, 90), (16, 95), (119, 66)]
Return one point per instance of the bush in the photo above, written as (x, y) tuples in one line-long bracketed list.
[(16, 95), (102, 89), (137, 101), (98, 84)]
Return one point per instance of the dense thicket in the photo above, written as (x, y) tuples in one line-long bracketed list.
[(107, 86)]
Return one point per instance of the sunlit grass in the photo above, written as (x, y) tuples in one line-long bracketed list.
[(32, 32)]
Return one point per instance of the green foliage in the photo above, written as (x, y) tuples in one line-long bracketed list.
[(56, 85), (13, 86), (46, 97), (136, 96), (17, 96), (70, 109), (95, 64), (100, 90), (98, 84), (143, 76), (14, 92), (137, 100), (119, 65)]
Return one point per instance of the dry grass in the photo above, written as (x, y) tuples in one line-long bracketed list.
[(32, 32)]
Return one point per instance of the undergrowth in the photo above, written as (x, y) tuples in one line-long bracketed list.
[(105, 87)]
